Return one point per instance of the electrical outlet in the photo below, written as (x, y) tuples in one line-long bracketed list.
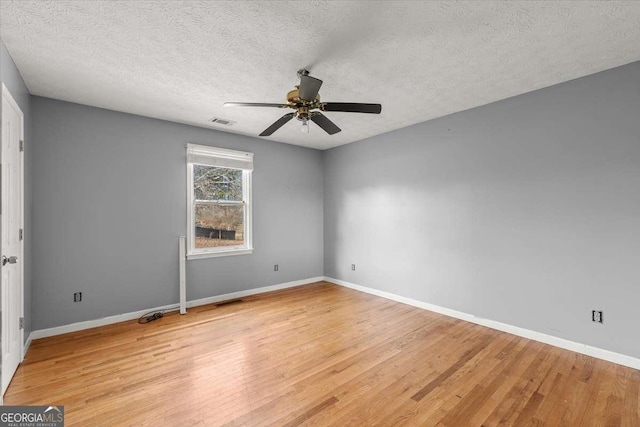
[(275, 267), (77, 297), (353, 267), (596, 316)]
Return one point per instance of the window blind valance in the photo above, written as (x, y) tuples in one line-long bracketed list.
[(219, 157)]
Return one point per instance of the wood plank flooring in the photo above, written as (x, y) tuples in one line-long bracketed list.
[(319, 355)]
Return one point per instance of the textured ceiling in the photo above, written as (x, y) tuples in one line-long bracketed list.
[(181, 60)]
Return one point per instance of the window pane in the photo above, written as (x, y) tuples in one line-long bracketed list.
[(212, 183), (219, 225)]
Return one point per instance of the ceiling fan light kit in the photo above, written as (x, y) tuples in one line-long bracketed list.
[(305, 99)]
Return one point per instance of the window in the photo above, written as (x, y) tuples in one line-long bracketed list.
[(219, 205)]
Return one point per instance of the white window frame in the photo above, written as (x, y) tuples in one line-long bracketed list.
[(231, 159)]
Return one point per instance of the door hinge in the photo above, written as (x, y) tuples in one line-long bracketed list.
[(22, 323), (21, 145), (21, 233)]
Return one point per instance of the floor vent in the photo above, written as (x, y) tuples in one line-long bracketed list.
[(231, 301), (222, 122)]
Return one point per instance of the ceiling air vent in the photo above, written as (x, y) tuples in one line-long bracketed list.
[(222, 122)]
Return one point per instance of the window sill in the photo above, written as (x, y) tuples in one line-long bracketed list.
[(202, 255)]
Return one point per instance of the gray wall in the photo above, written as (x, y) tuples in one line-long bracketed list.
[(525, 211), (10, 76), (110, 203)]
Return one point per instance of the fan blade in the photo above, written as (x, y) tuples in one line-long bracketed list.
[(278, 124), (309, 88), (327, 125), (253, 104), (351, 107)]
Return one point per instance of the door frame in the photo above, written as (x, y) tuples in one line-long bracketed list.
[(6, 94)]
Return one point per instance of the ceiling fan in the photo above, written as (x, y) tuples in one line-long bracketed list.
[(306, 101)]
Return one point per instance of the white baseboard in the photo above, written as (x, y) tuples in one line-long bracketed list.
[(588, 350), (26, 345), (79, 326), (596, 352)]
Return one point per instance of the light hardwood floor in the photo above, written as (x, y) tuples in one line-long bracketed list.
[(319, 355)]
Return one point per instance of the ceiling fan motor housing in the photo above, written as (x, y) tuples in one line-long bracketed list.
[(301, 106)]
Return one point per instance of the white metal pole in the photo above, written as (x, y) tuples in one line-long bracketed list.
[(183, 275)]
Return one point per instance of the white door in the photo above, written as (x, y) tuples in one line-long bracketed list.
[(11, 217)]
